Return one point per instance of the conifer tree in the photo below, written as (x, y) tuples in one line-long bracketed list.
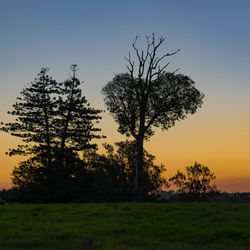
[(75, 119), (55, 122), (33, 113)]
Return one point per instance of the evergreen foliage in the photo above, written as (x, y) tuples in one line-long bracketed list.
[(55, 122)]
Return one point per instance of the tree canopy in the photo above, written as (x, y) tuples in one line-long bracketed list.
[(114, 172), (196, 182), (55, 122), (50, 116), (147, 96)]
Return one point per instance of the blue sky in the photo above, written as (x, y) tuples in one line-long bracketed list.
[(214, 38)]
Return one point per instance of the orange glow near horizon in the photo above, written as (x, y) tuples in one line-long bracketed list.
[(214, 52), (7, 163), (211, 143)]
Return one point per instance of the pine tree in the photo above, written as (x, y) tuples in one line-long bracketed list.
[(34, 112), (55, 122), (75, 118)]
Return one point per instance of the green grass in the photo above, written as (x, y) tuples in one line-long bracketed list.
[(126, 226)]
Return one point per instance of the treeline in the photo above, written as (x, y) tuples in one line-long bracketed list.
[(91, 178), (57, 127), (63, 165)]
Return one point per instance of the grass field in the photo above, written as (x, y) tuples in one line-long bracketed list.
[(126, 226)]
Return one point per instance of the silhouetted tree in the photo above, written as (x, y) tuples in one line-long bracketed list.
[(148, 96), (33, 112), (75, 119), (196, 182), (152, 174), (114, 173), (52, 115), (36, 182), (54, 121)]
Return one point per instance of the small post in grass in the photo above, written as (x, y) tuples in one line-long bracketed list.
[(87, 244)]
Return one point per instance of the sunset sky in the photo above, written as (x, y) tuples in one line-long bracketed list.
[(214, 38)]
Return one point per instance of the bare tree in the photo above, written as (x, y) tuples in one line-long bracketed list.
[(147, 96)]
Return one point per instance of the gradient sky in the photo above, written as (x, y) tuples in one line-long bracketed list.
[(214, 38)]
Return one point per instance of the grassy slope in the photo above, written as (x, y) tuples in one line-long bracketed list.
[(126, 226)]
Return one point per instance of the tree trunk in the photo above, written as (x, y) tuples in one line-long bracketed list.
[(138, 193), (47, 126), (65, 129), (139, 154)]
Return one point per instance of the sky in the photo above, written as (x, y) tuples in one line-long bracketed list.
[(214, 38)]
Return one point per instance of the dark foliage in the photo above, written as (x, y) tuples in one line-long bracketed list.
[(50, 117), (95, 178), (36, 182), (148, 96), (114, 173), (55, 122), (195, 184)]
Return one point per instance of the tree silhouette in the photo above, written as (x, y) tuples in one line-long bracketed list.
[(34, 111), (54, 122), (114, 173), (35, 182), (51, 115), (196, 182), (75, 119), (148, 96)]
